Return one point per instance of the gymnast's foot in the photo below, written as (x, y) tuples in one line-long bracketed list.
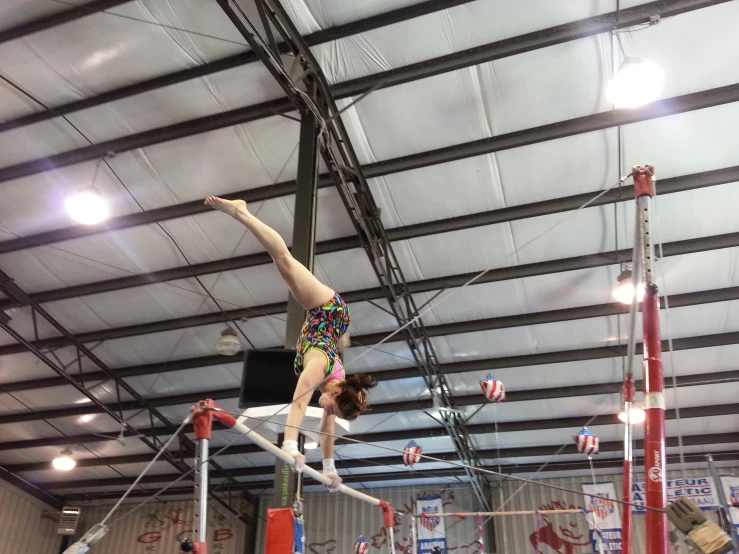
[(230, 207)]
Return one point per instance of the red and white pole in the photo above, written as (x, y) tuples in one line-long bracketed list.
[(654, 383), (627, 515)]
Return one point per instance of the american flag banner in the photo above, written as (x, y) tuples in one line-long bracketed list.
[(587, 442), (603, 516), (493, 389), (412, 453), (361, 545)]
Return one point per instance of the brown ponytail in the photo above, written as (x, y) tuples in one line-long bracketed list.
[(352, 400)]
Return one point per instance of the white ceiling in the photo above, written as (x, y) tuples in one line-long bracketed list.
[(132, 43)]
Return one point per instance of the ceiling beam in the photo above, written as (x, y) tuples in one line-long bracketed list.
[(523, 469), (380, 408), (501, 49), (487, 324), (498, 455), (56, 19), (724, 377), (671, 185), (209, 361), (406, 434), (319, 37)]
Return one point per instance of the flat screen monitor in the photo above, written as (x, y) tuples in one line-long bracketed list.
[(268, 378)]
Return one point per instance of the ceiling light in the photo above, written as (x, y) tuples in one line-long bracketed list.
[(87, 206), (624, 291), (310, 445), (636, 414), (64, 462), (637, 82), (228, 344)]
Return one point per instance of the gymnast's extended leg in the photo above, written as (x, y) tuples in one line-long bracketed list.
[(303, 285)]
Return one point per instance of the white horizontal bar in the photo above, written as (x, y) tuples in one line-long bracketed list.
[(284, 456)]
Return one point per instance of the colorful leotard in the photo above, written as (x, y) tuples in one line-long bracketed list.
[(321, 330)]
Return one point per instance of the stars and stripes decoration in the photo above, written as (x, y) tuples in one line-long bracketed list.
[(361, 545), (493, 389), (587, 442), (412, 453)]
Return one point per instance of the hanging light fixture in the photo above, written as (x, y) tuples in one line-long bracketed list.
[(310, 445), (624, 291), (87, 206), (228, 344), (64, 462), (636, 414), (637, 82)]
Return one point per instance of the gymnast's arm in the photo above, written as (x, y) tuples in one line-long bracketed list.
[(327, 439), (309, 381), (327, 451)]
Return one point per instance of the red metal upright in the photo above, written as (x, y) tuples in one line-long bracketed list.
[(654, 386)]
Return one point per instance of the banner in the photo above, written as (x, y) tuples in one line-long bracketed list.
[(431, 530), (700, 490), (604, 517), (731, 491)]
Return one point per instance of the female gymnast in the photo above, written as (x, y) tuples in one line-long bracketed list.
[(322, 339)]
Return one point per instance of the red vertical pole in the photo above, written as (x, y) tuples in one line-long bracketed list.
[(654, 385)]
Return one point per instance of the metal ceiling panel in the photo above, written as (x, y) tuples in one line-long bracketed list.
[(439, 111), (609, 370), (425, 110), (322, 14), (28, 430), (384, 356), (439, 192), (108, 50), (693, 140), (98, 472), (545, 409), (442, 33), (12, 15), (390, 448), (689, 68), (38, 141), (189, 380), (222, 91), (65, 396), (687, 321)]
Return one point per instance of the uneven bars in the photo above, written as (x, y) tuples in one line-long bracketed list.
[(490, 514)]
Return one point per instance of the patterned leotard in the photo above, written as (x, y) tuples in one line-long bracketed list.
[(321, 330)]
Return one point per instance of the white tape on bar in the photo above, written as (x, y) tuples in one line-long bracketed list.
[(284, 456)]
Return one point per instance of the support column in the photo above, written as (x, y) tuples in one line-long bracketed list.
[(287, 483), (304, 229)]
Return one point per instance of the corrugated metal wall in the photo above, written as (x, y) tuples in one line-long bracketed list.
[(22, 527), (513, 532), (334, 521), (157, 528)]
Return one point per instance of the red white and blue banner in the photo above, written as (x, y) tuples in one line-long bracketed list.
[(603, 516), (700, 490), (431, 530), (731, 492)]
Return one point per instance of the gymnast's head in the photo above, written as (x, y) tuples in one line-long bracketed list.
[(347, 399)]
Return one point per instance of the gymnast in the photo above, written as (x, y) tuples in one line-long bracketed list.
[(322, 339)]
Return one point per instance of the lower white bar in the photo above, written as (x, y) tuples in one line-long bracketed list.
[(284, 456)]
